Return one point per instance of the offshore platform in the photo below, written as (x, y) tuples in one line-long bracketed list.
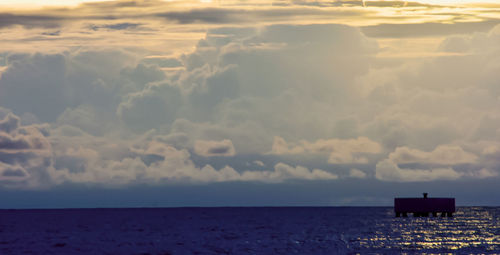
[(424, 206)]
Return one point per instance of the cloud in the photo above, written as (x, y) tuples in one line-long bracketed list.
[(12, 143), (257, 81), (259, 163), (33, 157), (29, 21), (140, 24), (21, 138), (284, 172), (305, 91), (473, 42), (442, 100), (152, 107), (234, 12), (443, 163), (356, 173), (12, 173), (25, 154), (117, 26), (443, 154), (57, 82), (240, 14), (88, 118), (486, 173), (428, 29), (208, 15), (31, 73), (177, 140), (214, 148), (339, 151), (9, 123), (281, 147), (172, 165), (387, 170)]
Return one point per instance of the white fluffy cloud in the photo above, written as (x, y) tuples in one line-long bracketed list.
[(300, 90), (339, 151), (283, 172), (440, 164), (172, 165), (356, 173), (33, 157), (443, 154), (387, 170)]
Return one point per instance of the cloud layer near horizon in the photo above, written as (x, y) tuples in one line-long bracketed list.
[(261, 103)]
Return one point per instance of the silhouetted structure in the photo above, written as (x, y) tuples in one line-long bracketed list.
[(422, 207)]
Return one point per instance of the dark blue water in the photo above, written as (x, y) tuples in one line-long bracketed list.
[(279, 230)]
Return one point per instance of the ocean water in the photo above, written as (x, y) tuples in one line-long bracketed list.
[(259, 230)]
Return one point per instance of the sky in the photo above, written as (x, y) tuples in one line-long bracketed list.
[(146, 103)]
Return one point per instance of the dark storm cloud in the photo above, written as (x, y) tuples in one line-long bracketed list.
[(118, 26), (219, 150), (235, 15), (15, 138), (9, 123), (10, 143), (30, 21), (149, 159), (13, 157), (210, 15), (55, 33), (14, 172), (113, 5), (428, 29), (56, 16), (24, 154), (214, 148)]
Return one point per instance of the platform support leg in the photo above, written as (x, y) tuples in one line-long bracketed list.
[(443, 214), (450, 214), (434, 214)]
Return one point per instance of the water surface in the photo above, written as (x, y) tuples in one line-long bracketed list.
[(239, 230)]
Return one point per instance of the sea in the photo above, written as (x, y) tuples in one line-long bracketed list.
[(247, 230)]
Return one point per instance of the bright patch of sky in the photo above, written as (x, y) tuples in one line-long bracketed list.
[(34, 4)]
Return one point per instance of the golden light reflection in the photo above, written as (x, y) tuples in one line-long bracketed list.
[(471, 228)]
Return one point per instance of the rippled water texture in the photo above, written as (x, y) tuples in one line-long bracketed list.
[(279, 230)]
